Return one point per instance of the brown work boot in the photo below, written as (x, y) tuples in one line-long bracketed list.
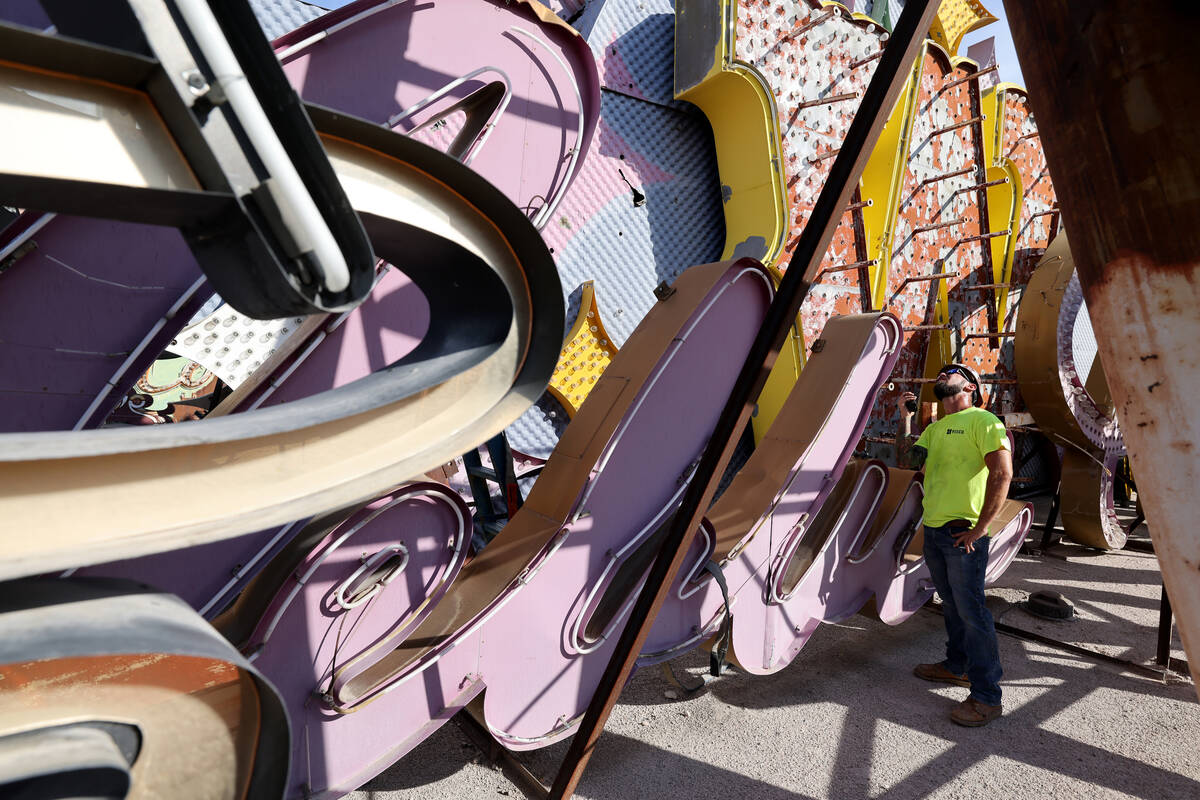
[(974, 714), (939, 674)]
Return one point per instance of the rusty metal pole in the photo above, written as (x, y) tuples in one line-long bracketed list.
[(1114, 88), (864, 131)]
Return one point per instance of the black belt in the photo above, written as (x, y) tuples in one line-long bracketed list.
[(955, 523)]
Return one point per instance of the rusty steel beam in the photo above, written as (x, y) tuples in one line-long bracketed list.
[(860, 250), (1120, 136), (824, 101), (955, 126), (859, 265), (806, 26), (990, 335), (979, 237), (972, 77), (843, 177), (866, 59), (822, 156), (933, 226), (937, 276), (943, 177), (985, 185), (856, 265)]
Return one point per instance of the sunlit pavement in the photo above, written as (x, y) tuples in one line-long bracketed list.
[(848, 720)]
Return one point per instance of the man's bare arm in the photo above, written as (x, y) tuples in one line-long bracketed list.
[(906, 454), (1000, 472)]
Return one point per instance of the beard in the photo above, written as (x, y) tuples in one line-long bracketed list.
[(943, 389)]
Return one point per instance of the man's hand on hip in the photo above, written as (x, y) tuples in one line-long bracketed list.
[(966, 539)]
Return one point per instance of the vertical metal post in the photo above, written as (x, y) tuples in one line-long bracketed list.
[(860, 251), (1163, 656), (814, 240), (1110, 87), (1051, 519)]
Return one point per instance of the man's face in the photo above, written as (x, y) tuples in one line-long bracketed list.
[(949, 382)]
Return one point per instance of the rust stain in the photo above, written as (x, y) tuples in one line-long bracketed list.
[(182, 673)]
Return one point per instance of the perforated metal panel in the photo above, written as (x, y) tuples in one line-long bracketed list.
[(231, 344), (278, 17), (633, 41), (599, 234)]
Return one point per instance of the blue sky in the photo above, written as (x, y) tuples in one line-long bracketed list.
[(1006, 54)]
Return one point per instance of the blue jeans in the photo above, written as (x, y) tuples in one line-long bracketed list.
[(971, 645)]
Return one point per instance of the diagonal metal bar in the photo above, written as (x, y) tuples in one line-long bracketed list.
[(814, 240), (973, 76)]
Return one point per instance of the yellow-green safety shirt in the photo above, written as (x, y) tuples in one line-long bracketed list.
[(955, 472)]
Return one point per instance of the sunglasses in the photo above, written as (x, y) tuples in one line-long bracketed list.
[(948, 371)]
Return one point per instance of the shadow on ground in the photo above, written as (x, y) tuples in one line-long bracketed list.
[(847, 719)]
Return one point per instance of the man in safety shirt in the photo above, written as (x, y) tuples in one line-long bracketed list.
[(967, 463)]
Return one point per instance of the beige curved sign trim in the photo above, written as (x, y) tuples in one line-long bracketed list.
[(1086, 489), (102, 505)]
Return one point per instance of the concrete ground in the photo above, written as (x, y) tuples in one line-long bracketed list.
[(848, 720)]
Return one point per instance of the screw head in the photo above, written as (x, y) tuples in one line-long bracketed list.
[(195, 82)]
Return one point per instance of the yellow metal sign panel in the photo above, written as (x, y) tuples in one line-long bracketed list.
[(586, 354), (780, 83), (883, 180), (1004, 199), (955, 19)]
